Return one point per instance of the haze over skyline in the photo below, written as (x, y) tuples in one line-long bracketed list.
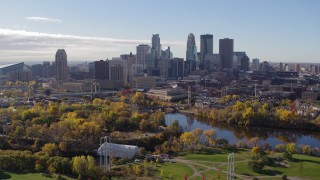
[(286, 30)]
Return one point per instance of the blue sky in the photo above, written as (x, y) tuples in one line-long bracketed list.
[(271, 30)]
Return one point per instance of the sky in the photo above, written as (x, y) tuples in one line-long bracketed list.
[(271, 30)]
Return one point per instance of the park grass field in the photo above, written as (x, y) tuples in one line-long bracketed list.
[(212, 163), (175, 171), (28, 176)]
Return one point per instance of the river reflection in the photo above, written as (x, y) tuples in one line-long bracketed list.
[(236, 133)]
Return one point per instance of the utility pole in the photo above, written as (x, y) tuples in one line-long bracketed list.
[(189, 95), (230, 175), (105, 154)]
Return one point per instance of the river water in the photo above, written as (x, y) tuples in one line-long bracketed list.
[(234, 133)]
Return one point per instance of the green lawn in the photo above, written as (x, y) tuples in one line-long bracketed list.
[(174, 170), (305, 167), (215, 155), (28, 176)]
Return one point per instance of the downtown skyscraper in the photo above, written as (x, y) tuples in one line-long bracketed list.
[(142, 50), (61, 65), (226, 52), (155, 44), (206, 47), (191, 53)]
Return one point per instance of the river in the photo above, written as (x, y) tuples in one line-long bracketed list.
[(234, 133)]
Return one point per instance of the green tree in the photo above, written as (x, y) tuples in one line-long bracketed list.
[(291, 148)]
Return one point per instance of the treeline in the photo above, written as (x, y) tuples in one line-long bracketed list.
[(84, 167), (74, 128), (259, 114)]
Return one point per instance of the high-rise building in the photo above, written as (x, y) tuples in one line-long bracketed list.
[(142, 50), (118, 70), (281, 67), (206, 47), (255, 64), (297, 68), (46, 69), (101, 70), (212, 62), (131, 59), (61, 65), (242, 61), (226, 52), (191, 53), (176, 68), (156, 45)]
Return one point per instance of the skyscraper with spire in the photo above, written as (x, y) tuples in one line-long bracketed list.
[(191, 53)]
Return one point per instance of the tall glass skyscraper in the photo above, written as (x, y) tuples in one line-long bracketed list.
[(156, 44), (191, 53), (206, 47)]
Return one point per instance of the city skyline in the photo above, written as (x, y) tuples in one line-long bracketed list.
[(269, 30)]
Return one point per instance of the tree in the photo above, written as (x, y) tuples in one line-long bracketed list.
[(306, 149), (291, 148), (79, 166), (255, 150), (50, 149), (256, 165), (138, 98), (210, 136)]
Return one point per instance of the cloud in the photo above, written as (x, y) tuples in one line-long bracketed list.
[(24, 45), (44, 19)]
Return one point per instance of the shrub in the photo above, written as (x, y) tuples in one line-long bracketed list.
[(256, 165)]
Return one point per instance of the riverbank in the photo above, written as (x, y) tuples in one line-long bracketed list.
[(236, 133)]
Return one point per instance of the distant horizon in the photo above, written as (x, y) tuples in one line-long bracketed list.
[(268, 30), (74, 62)]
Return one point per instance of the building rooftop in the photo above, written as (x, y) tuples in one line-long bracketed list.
[(7, 65)]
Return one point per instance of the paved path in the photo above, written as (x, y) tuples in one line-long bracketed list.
[(196, 172)]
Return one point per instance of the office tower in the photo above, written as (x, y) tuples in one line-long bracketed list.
[(156, 45), (131, 59), (314, 69), (255, 65), (142, 50), (297, 68), (36, 70), (101, 70), (212, 62), (242, 61), (226, 52), (91, 69), (46, 69), (61, 65), (265, 67), (118, 70), (286, 67), (281, 67), (206, 47), (176, 68), (191, 53)]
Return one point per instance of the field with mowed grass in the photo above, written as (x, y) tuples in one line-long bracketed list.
[(213, 164), (29, 176)]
